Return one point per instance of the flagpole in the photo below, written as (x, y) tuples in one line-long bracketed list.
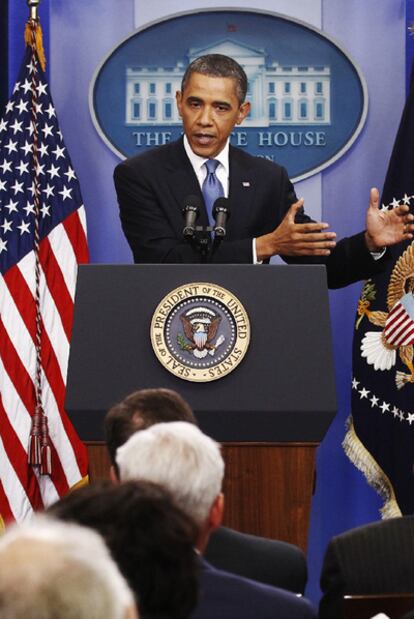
[(39, 449), (33, 5), (33, 29)]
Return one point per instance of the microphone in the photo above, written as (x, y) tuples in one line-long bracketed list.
[(190, 211), (221, 213)]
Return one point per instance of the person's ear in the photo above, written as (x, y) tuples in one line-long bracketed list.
[(179, 101), (217, 511), (244, 109), (131, 613), (113, 476)]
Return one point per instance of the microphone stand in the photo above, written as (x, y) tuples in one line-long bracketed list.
[(205, 239), (207, 242), (221, 213), (200, 241)]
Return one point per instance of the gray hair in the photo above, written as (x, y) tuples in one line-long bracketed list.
[(218, 65), (178, 456), (54, 570)]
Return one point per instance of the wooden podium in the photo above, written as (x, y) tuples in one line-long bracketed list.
[(270, 413)]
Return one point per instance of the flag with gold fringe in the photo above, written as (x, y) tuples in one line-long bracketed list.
[(380, 435), (42, 241)]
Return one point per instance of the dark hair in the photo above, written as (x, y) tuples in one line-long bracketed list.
[(140, 410), (150, 539), (218, 65)]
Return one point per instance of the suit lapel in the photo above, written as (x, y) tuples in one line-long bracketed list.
[(182, 182), (242, 190)]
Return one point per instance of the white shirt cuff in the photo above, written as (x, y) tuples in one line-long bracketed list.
[(377, 255), (255, 260)]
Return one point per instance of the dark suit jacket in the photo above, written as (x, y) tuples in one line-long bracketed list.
[(152, 189), (268, 561), (376, 558), (227, 596)]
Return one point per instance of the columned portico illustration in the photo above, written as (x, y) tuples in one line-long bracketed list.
[(279, 94)]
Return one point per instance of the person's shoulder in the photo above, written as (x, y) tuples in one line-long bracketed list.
[(375, 529), (152, 157), (245, 589)]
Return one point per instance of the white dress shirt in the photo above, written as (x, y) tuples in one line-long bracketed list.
[(222, 173)]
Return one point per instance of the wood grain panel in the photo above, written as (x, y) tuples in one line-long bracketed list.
[(267, 487)]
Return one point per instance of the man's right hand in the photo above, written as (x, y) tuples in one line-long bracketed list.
[(292, 239)]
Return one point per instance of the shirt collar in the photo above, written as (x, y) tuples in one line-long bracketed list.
[(197, 162)]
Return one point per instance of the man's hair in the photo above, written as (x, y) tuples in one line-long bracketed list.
[(179, 457), (218, 65), (142, 409), (148, 536), (51, 570)]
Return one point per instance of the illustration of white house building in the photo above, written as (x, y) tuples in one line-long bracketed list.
[(279, 94)]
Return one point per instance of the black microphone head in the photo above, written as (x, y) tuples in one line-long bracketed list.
[(191, 203), (221, 205), (190, 211), (221, 213)]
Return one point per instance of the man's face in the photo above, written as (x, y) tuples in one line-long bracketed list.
[(209, 109)]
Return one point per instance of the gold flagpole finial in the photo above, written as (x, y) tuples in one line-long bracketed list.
[(33, 32), (33, 5)]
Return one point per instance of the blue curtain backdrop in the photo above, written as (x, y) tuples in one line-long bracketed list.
[(78, 35), (4, 53)]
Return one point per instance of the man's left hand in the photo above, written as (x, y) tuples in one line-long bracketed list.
[(384, 228)]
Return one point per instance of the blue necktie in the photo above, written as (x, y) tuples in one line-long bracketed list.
[(212, 188)]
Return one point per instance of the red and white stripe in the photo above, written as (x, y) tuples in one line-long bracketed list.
[(399, 327), (22, 489)]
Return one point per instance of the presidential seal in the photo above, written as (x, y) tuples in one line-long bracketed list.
[(200, 332)]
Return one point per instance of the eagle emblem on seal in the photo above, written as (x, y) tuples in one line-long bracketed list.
[(200, 326), (380, 348)]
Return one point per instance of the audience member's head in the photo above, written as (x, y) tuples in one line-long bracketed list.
[(54, 570), (151, 540), (178, 456), (140, 410)]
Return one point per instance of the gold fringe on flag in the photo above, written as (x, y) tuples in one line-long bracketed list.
[(82, 482), (372, 472), (31, 25)]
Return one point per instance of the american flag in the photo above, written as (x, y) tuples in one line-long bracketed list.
[(399, 326), (380, 437), (37, 287)]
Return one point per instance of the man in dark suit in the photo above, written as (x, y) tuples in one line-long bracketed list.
[(179, 457), (266, 217), (268, 561), (372, 559)]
